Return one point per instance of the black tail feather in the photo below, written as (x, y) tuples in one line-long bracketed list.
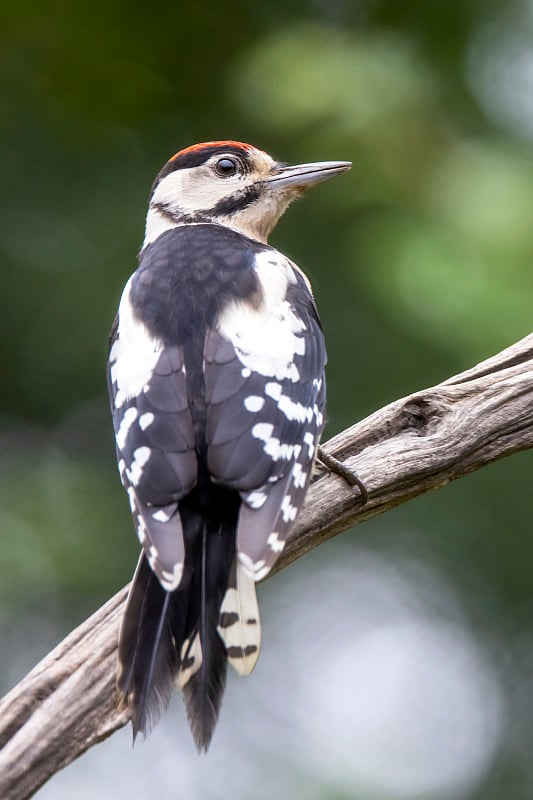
[(148, 662), (169, 637), (204, 690)]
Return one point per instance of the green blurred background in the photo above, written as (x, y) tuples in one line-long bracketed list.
[(421, 262)]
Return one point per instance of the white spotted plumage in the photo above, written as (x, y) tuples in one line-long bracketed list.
[(216, 378)]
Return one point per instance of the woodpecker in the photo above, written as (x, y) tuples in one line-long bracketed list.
[(217, 388)]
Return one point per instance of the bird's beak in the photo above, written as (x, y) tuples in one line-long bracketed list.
[(303, 176)]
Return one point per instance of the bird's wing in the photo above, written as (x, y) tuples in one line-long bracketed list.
[(265, 392), (155, 440)]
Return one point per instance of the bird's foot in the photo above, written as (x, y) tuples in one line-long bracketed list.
[(334, 465)]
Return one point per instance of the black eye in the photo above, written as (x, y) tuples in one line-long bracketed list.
[(226, 167)]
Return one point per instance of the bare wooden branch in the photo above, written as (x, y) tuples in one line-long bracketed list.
[(67, 703)]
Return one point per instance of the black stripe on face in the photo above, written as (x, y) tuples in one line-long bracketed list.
[(195, 158), (237, 201)]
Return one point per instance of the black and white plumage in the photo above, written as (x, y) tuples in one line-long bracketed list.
[(216, 378)]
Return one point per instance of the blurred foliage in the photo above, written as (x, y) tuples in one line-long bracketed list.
[(420, 258)]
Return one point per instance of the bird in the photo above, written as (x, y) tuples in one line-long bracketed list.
[(217, 391)]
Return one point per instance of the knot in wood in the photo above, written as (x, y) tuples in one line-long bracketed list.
[(418, 414)]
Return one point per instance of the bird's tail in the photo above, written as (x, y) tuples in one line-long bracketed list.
[(203, 664), (187, 636), (147, 658)]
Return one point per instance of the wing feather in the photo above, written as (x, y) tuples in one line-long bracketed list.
[(264, 423), (155, 444)]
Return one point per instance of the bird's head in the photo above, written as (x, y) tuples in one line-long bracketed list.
[(232, 184)]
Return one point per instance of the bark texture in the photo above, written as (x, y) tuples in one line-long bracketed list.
[(68, 703)]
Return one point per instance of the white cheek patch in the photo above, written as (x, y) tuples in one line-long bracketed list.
[(195, 189), (266, 339), (134, 354), (171, 187)]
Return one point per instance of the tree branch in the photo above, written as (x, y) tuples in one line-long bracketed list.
[(67, 703)]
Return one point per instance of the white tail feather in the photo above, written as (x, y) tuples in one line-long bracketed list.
[(240, 626)]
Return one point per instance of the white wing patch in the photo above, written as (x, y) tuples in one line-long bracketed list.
[(154, 437), (134, 353), (264, 367), (266, 339)]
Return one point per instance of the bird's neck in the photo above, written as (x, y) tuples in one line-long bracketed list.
[(250, 222)]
